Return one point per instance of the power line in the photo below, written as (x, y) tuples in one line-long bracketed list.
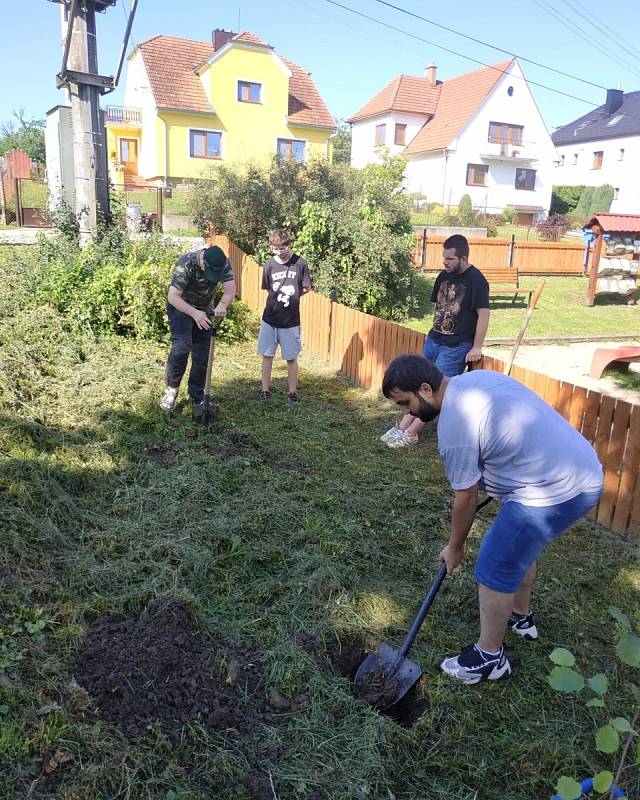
[(460, 55), (475, 60), (615, 36), (586, 36), (492, 46)]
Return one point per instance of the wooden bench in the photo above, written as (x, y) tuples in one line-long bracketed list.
[(505, 281)]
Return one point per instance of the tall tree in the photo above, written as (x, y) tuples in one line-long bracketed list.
[(23, 134), (342, 144)]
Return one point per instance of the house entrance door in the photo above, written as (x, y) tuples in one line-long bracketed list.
[(129, 156)]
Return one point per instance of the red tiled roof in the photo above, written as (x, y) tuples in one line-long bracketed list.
[(245, 36), (171, 63), (306, 107), (405, 93), (459, 100), (616, 223)]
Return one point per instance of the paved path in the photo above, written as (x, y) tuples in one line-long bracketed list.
[(28, 236), (22, 235), (572, 363)]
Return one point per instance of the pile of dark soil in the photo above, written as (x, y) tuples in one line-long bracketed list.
[(160, 669)]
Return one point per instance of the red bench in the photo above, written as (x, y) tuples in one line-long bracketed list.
[(604, 356)]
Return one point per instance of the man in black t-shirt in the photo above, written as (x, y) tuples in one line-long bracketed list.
[(460, 322), (286, 277)]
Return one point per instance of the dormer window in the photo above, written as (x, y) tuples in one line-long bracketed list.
[(249, 92)]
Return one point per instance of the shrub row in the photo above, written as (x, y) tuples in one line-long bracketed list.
[(114, 286)]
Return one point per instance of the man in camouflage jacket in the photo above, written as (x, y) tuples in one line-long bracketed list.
[(189, 308)]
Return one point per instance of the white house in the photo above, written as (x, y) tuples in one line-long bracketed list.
[(603, 146), (479, 134)]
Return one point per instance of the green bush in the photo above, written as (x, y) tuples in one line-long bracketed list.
[(363, 266), (564, 199), (114, 285), (602, 199), (581, 213), (507, 215), (353, 226)]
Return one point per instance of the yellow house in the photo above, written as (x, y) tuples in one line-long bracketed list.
[(190, 104)]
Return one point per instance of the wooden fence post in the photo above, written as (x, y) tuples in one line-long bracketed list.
[(18, 203), (332, 298)]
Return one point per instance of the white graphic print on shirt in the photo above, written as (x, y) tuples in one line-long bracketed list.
[(285, 291)]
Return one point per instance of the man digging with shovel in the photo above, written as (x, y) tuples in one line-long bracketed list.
[(495, 434), (189, 308)]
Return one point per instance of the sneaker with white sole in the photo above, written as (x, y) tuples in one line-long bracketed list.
[(474, 665), (168, 399), (391, 434), (523, 625), (404, 440)]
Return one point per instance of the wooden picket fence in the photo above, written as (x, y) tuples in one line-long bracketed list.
[(361, 347), (529, 258)]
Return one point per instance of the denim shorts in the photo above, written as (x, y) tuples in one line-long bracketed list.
[(288, 338), (450, 359), (519, 534)]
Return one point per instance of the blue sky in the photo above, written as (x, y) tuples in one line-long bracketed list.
[(350, 57)]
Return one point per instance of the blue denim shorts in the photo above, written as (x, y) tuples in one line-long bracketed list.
[(519, 534), (450, 359)]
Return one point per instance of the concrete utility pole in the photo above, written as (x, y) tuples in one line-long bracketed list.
[(89, 139), (80, 75)]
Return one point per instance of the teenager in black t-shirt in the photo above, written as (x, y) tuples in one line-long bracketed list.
[(286, 277)]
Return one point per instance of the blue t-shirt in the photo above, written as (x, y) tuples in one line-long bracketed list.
[(494, 432)]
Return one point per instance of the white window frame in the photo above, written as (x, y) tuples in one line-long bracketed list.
[(305, 143), (259, 102), (205, 130)]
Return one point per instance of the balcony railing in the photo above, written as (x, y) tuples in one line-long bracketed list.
[(123, 115)]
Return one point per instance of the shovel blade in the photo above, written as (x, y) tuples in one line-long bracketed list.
[(384, 677), (204, 413)]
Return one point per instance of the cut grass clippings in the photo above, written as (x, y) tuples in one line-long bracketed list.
[(278, 527), (560, 312)]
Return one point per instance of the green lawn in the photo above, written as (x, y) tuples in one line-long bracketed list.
[(34, 195), (561, 311), (289, 530), (521, 232)]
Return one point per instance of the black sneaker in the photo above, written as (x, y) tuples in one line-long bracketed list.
[(293, 398), (473, 666), (523, 625), (265, 394)]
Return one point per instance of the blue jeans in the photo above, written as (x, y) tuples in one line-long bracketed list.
[(187, 337), (450, 359), (519, 534)]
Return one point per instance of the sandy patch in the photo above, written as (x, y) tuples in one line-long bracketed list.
[(570, 362)]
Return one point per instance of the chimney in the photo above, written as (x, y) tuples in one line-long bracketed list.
[(220, 37), (614, 100), (430, 74)]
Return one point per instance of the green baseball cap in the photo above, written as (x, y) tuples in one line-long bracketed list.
[(214, 262)]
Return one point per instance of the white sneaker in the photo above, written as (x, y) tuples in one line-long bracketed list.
[(168, 400), (473, 666), (404, 440), (523, 625), (391, 434)]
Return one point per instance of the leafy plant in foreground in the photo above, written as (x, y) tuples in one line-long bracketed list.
[(564, 677)]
